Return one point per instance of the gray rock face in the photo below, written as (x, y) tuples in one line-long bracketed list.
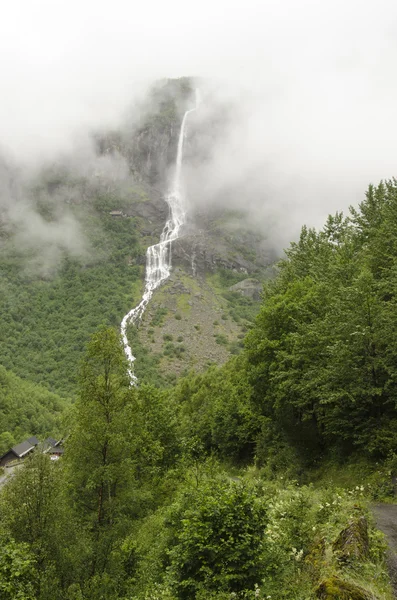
[(206, 252), (152, 152), (251, 288), (150, 145), (213, 239), (153, 214)]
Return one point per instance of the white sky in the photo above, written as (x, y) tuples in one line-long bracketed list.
[(319, 80)]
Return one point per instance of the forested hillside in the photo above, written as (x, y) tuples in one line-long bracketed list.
[(248, 480), (46, 321), (322, 357), (27, 409)]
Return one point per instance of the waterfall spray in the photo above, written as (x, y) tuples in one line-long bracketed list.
[(158, 257)]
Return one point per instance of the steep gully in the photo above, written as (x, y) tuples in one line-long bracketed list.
[(158, 257)]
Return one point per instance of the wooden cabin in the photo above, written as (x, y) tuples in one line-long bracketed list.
[(19, 451)]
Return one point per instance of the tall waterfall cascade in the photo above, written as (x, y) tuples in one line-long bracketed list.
[(158, 257)]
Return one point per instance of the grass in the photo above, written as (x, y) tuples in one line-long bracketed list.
[(354, 474), (183, 305)]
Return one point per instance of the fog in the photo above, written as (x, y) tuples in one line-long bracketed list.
[(310, 89)]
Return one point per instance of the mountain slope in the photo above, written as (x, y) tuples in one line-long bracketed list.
[(26, 409), (47, 315)]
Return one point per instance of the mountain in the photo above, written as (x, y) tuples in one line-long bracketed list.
[(116, 198), (253, 474)]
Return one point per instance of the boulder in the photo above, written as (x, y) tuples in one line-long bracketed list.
[(352, 543), (251, 288)]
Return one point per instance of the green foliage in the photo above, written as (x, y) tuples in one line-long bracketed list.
[(35, 514), (46, 321), (17, 571), (26, 409), (244, 536), (158, 317), (140, 507), (146, 366), (218, 540), (215, 408), (221, 339), (137, 510), (97, 455), (241, 307), (322, 353), (173, 351)]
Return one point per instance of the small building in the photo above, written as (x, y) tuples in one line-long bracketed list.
[(18, 452), (48, 444), (56, 452), (116, 213), (33, 440)]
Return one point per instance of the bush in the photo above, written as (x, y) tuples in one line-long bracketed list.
[(219, 540), (221, 339), (158, 317)]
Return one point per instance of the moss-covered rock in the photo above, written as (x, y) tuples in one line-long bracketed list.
[(315, 559), (335, 588), (352, 543)]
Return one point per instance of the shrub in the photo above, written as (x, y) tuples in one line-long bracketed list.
[(219, 539), (221, 339)]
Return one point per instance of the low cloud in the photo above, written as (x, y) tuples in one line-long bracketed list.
[(36, 203), (298, 112)]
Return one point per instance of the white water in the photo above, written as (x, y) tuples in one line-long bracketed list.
[(158, 257)]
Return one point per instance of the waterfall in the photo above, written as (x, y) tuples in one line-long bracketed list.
[(158, 257)]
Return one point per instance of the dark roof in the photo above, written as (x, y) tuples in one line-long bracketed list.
[(22, 449), (33, 440), (56, 450), (50, 442)]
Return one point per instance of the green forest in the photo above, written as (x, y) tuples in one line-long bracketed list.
[(251, 480)]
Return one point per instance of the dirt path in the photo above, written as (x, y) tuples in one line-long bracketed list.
[(386, 520)]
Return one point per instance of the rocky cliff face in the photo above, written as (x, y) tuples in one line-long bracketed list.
[(212, 238), (150, 143), (200, 315)]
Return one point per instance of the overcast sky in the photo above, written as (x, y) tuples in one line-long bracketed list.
[(318, 78)]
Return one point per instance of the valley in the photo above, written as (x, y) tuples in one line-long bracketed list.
[(242, 457)]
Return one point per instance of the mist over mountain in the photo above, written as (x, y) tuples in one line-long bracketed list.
[(304, 94), (182, 415)]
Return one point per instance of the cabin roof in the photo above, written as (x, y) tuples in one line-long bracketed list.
[(56, 450), (33, 440), (23, 448), (50, 442)]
